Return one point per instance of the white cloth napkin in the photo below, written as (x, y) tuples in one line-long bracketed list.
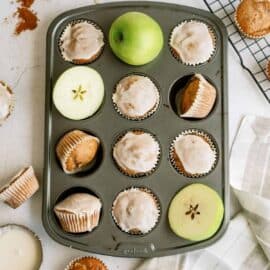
[(246, 243)]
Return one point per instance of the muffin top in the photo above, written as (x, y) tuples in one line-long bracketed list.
[(193, 42), (253, 17), (5, 101), (81, 41), (195, 153), (87, 263), (76, 150), (136, 96), (136, 152), (79, 203), (135, 210)]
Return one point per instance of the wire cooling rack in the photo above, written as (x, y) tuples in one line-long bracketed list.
[(253, 54)]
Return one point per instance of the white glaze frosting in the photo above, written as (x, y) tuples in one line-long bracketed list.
[(193, 42), (195, 154), (136, 95), (19, 249), (79, 203), (136, 152), (5, 102), (135, 209), (81, 41)]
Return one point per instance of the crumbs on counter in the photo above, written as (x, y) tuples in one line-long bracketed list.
[(27, 19)]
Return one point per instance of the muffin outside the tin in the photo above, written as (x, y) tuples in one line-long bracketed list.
[(76, 150), (86, 263), (20, 188), (7, 102), (136, 153), (192, 42), (136, 97), (268, 69), (198, 98), (136, 211), (81, 42), (193, 153), (78, 213), (252, 18)]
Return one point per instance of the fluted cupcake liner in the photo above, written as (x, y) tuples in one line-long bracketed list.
[(131, 173), (21, 187), (77, 223), (82, 61), (12, 102), (204, 100), (146, 115), (242, 31), (175, 161), (74, 261), (177, 56), (155, 198), (68, 144)]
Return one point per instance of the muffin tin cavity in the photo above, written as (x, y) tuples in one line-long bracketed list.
[(176, 96), (107, 177), (65, 153)]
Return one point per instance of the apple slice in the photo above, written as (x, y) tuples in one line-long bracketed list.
[(78, 92), (196, 212)]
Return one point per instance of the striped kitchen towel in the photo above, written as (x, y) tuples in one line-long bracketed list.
[(246, 243)]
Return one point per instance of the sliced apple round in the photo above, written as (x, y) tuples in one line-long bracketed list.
[(78, 92), (196, 212)]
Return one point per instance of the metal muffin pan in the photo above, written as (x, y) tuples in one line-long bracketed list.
[(106, 181)]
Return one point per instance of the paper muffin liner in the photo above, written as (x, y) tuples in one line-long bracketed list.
[(81, 61), (204, 100), (20, 188), (241, 29), (71, 264), (12, 102), (175, 161), (78, 223), (155, 198), (67, 144), (146, 115), (177, 56), (131, 173), (268, 69)]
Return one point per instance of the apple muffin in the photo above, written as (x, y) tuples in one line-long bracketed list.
[(86, 263), (136, 97)]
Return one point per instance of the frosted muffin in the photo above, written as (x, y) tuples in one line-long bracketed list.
[(78, 213), (136, 97), (136, 211), (20, 188), (76, 151), (136, 153), (86, 263), (6, 102), (193, 153), (253, 18), (198, 98), (81, 42), (192, 42)]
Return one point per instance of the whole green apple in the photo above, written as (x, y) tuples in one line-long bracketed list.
[(136, 38)]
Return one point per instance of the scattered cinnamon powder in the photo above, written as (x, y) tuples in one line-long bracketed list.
[(26, 3), (27, 20)]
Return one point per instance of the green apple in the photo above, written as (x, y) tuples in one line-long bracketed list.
[(136, 38), (196, 212)]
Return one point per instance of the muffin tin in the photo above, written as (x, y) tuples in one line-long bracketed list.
[(105, 180)]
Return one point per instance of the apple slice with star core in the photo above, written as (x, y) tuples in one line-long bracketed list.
[(78, 93), (196, 212), (136, 38)]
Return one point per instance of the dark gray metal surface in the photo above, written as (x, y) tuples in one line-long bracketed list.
[(106, 181)]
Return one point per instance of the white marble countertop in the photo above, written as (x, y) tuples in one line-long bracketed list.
[(22, 66)]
